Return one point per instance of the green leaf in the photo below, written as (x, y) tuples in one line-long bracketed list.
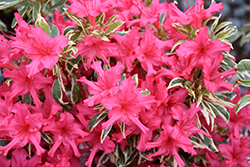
[(123, 78), (104, 38), (177, 44), (194, 32), (120, 161), (67, 29), (245, 83), (206, 141), (5, 4), (100, 19), (122, 33), (22, 13), (244, 66), (110, 20), (53, 30), (188, 83), (56, 91), (215, 23), (75, 91), (245, 100), (194, 140), (142, 158), (187, 27), (77, 20), (3, 26), (230, 95), (176, 82), (224, 34), (227, 63), (146, 92), (222, 25), (46, 138), (41, 22), (148, 3), (135, 77), (205, 112), (234, 35), (131, 157), (105, 133), (103, 159), (98, 107), (113, 27), (72, 62), (162, 18), (58, 4), (74, 36), (36, 10), (123, 130), (245, 39), (220, 110), (127, 152), (225, 95), (96, 119)]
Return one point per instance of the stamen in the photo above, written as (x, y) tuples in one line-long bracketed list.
[(187, 4)]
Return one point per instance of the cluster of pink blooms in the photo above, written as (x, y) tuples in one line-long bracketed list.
[(125, 77)]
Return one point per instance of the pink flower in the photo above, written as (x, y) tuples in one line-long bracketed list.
[(169, 141), (105, 85), (196, 14), (187, 120), (86, 8), (129, 8), (149, 14), (65, 131), (236, 151), (38, 46), (128, 47), (212, 157), (213, 79), (4, 161), (5, 113), (152, 50), (126, 105), (93, 138), (19, 158), (178, 67), (24, 128), (23, 84), (49, 108), (202, 51), (152, 122), (7, 54), (90, 48)]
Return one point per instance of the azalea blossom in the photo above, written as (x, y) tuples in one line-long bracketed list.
[(65, 132), (126, 105), (90, 48), (202, 51), (104, 86), (236, 151), (23, 84), (128, 49), (37, 46), (24, 128), (169, 142), (152, 50)]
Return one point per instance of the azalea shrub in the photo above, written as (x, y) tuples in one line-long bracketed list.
[(122, 83)]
